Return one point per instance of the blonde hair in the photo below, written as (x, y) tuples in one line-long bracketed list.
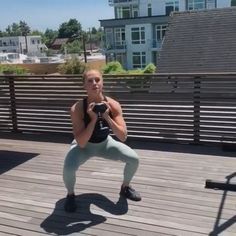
[(84, 76)]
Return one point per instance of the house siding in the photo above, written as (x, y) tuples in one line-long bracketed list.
[(17, 44), (200, 41), (158, 18)]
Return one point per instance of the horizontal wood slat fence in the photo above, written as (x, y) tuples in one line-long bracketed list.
[(189, 108)]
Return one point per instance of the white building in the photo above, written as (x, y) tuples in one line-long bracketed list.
[(135, 35), (17, 44)]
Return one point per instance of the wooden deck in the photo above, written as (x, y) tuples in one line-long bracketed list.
[(170, 178)]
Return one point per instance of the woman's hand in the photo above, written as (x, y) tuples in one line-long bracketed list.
[(106, 114), (92, 114), (115, 121)]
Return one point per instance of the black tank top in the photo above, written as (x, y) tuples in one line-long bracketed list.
[(98, 134)]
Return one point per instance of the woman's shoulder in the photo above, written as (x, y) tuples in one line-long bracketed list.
[(77, 106), (114, 104), (112, 100)]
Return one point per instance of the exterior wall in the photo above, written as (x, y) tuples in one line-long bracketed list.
[(10, 44), (158, 6), (223, 3), (158, 18), (35, 45), (17, 44), (138, 47)]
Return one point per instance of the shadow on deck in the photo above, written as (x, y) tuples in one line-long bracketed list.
[(170, 178), (84, 218), (11, 159), (132, 142)]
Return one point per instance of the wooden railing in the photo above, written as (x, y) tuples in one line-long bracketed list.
[(189, 108)]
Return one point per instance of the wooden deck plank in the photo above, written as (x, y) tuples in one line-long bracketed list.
[(170, 178)]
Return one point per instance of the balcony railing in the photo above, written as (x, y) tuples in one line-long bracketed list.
[(115, 46), (156, 44), (112, 2)]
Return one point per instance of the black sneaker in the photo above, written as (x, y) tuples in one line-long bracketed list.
[(130, 193), (70, 204)]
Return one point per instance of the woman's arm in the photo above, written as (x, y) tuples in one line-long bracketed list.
[(81, 133), (116, 123)]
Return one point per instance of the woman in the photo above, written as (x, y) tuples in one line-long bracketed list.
[(91, 129)]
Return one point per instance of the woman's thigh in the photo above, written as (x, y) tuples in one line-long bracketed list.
[(116, 150), (76, 157)]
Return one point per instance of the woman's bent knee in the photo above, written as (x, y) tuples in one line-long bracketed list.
[(133, 158), (135, 161)]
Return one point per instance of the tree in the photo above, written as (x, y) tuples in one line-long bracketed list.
[(233, 3), (36, 32), (8, 30), (97, 37), (69, 29), (25, 30), (49, 36), (13, 30), (72, 66), (94, 30), (73, 47)]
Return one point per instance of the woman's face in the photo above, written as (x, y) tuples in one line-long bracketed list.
[(93, 82)]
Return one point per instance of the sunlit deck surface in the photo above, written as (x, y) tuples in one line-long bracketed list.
[(170, 178)]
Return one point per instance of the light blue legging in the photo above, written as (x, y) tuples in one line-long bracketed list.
[(109, 149)]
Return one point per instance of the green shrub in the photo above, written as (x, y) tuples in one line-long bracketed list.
[(113, 67), (12, 69), (72, 66), (150, 68), (137, 71)]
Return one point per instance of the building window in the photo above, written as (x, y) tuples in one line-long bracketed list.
[(160, 32), (109, 38), (211, 4), (139, 60), (119, 36), (201, 4), (196, 4), (126, 12), (149, 9), (120, 57), (138, 35), (123, 12), (171, 6), (135, 11)]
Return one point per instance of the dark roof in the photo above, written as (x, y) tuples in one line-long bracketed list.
[(200, 41), (136, 20), (58, 42)]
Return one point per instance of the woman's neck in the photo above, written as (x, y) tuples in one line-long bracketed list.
[(96, 98)]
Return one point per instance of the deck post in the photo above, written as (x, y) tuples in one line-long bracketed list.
[(13, 103), (196, 110)]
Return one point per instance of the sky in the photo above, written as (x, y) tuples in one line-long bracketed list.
[(43, 14)]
